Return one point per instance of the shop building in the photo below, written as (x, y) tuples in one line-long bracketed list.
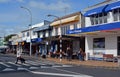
[(28, 35), (60, 39), (102, 29), (43, 33)]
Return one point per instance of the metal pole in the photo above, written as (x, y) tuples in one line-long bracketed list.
[(60, 41), (29, 28)]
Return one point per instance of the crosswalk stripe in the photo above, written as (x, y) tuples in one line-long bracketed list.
[(38, 62), (6, 65), (20, 68), (26, 64), (56, 66), (8, 69), (66, 65), (14, 64), (32, 68), (31, 63), (34, 63)]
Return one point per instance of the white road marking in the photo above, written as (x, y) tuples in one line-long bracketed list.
[(66, 65), (32, 63), (45, 67), (8, 69), (58, 74), (62, 66), (35, 63), (14, 64), (4, 64), (33, 68), (20, 68), (26, 64)]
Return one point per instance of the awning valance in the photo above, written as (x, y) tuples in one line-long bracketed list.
[(95, 11), (112, 6), (66, 20), (109, 26), (36, 40)]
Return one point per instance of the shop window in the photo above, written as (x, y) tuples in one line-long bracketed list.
[(99, 43), (23, 34), (34, 33), (75, 26), (98, 46), (56, 31), (44, 34), (116, 14), (64, 29), (27, 34)]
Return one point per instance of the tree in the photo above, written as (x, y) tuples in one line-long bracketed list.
[(6, 39)]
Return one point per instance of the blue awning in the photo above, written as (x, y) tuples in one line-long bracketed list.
[(36, 40), (108, 26), (112, 6), (45, 27), (95, 11)]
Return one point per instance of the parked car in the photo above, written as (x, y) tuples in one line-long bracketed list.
[(2, 50)]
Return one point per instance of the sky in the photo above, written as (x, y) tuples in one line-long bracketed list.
[(14, 19)]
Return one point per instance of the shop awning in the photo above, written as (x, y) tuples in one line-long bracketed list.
[(66, 20), (95, 11), (109, 26), (36, 40), (112, 6), (45, 27)]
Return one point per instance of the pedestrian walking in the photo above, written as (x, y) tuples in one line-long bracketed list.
[(19, 57)]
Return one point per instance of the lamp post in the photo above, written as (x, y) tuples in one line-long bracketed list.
[(49, 15), (29, 27)]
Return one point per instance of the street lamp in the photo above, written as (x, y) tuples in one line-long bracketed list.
[(49, 15), (29, 27)]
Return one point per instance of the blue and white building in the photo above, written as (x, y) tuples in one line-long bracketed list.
[(102, 29), (43, 33)]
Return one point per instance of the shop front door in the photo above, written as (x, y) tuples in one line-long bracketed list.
[(118, 45)]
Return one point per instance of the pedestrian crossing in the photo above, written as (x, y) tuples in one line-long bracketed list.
[(29, 65)]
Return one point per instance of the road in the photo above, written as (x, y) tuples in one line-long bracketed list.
[(42, 68)]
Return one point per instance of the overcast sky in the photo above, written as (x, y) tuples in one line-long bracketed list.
[(14, 19)]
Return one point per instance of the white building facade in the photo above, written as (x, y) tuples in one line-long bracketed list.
[(102, 35)]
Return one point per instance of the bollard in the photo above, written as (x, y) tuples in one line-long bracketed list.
[(60, 57)]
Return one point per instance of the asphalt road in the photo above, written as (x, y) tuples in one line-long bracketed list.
[(35, 68)]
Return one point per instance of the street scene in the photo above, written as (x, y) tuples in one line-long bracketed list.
[(60, 38), (44, 68)]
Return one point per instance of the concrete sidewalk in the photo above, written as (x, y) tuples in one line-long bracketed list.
[(91, 63), (86, 63)]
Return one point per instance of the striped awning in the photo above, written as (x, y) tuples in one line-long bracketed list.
[(66, 20)]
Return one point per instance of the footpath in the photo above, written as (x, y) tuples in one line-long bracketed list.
[(90, 63)]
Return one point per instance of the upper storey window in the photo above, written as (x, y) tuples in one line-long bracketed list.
[(116, 14), (98, 18)]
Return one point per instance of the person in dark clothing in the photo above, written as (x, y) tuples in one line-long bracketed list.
[(69, 53), (81, 54)]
